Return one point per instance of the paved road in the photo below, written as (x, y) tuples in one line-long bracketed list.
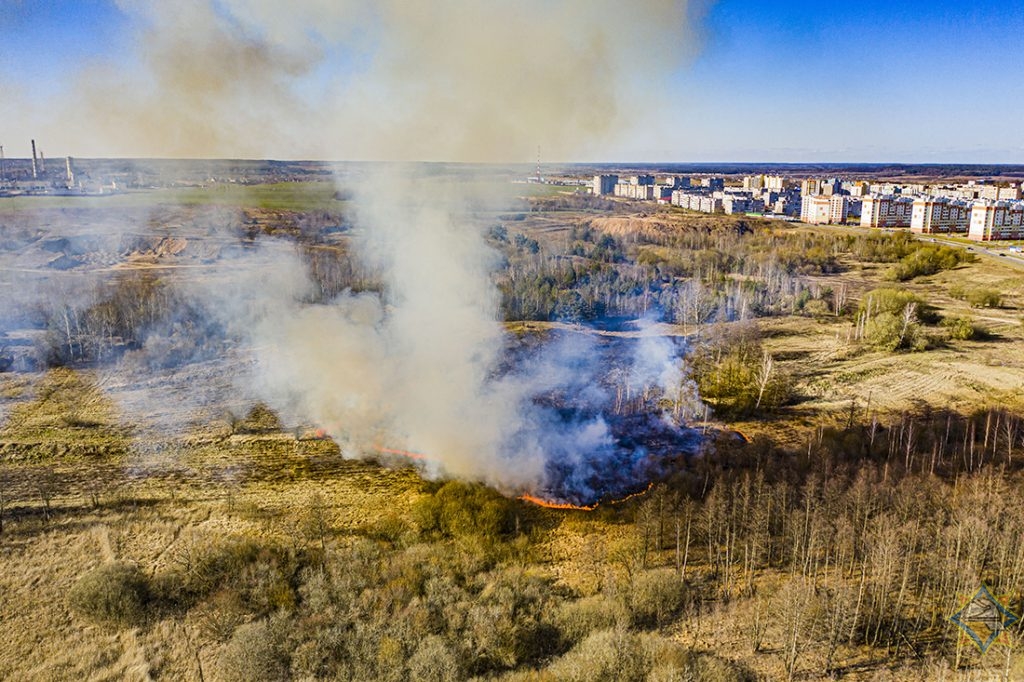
[(1003, 254)]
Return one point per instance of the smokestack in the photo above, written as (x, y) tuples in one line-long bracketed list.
[(71, 174), (42, 162), (34, 173), (3, 172)]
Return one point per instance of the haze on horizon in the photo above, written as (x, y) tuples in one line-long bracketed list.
[(733, 80)]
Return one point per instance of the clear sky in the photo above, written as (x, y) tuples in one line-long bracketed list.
[(908, 81)]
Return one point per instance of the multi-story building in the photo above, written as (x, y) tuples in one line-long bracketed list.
[(839, 207), (810, 187), (816, 210), (713, 183), (997, 220), (886, 210), (996, 193), (604, 184), (752, 182), (940, 215), (859, 189), (733, 204), (710, 205), (677, 182), (822, 210), (776, 182), (643, 192)]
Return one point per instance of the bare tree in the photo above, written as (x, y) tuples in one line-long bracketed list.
[(764, 376)]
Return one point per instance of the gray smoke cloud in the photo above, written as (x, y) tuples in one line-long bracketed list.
[(416, 368), (445, 80)]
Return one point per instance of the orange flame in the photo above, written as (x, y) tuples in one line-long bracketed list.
[(548, 504), (540, 502)]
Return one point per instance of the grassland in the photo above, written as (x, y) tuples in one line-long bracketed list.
[(83, 486)]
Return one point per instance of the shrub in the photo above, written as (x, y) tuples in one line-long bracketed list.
[(984, 298), (925, 260), (115, 593), (961, 328), (578, 619), (257, 651), (889, 300), (433, 661), (886, 331), (655, 596), (461, 509), (607, 655)]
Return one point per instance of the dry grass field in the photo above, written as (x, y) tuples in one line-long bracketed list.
[(82, 485)]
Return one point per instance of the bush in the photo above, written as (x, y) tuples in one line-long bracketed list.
[(607, 655), (655, 596), (893, 301), (433, 661), (926, 260), (257, 651), (984, 298), (578, 619), (961, 328), (462, 509), (116, 593)]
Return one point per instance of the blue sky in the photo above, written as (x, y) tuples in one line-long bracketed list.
[(912, 81)]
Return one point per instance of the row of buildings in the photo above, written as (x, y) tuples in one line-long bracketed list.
[(981, 211), (980, 219), (759, 194)]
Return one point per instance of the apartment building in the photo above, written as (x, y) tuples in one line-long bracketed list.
[(886, 210), (940, 215), (997, 220)]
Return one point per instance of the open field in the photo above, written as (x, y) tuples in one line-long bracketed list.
[(870, 493)]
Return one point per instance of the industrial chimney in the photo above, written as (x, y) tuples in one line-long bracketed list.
[(35, 174), (71, 174)]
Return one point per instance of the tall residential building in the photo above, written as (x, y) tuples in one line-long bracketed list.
[(822, 210), (839, 208), (859, 189), (810, 187), (1009, 193), (713, 183), (997, 220), (604, 184), (939, 215), (641, 180), (644, 192), (752, 182), (886, 210), (776, 182), (816, 210)]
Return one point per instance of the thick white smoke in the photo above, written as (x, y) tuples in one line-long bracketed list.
[(416, 368)]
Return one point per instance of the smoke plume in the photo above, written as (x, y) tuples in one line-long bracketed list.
[(418, 366), (445, 80)]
